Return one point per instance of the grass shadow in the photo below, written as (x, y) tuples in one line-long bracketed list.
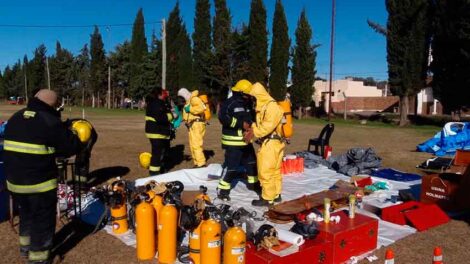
[(209, 154), (102, 175), (175, 157), (69, 236)]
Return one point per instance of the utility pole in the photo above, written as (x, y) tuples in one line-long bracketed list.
[(48, 74), (163, 54), (109, 87), (108, 103), (25, 87), (332, 49)]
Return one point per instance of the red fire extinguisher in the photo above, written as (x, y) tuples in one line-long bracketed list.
[(328, 152)]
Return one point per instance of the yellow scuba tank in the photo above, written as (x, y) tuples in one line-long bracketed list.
[(157, 203), (287, 127), (234, 246), (211, 235), (145, 229), (119, 208), (167, 224), (195, 245), (207, 111)]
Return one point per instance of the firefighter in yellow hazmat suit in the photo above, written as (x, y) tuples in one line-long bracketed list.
[(267, 130), (193, 116)]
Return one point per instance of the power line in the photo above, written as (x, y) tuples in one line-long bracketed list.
[(72, 26)]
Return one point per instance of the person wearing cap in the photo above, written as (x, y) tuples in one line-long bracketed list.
[(193, 116), (34, 138), (158, 128), (236, 114), (268, 131)]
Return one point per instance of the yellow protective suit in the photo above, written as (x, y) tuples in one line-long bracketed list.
[(268, 124), (197, 128)]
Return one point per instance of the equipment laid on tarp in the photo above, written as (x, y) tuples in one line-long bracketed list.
[(453, 136), (207, 228), (356, 161), (395, 175), (287, 211)]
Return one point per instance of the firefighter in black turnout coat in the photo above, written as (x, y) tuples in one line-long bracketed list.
[(34, 138), (236, 114), (158, 128)]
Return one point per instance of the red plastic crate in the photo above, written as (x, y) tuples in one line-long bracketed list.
[(396, 213), (350, 237), (311, 252), (427, 217)]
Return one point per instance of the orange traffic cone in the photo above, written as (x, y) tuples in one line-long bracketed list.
[(437, 258), (389, 257)]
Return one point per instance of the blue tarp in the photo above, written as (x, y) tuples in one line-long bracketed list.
[(453, 136), (394, 175)]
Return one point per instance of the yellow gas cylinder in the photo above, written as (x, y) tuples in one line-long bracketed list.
[(234, 246), (287, 126), (119, 216), (157, 203), (145, 231), (207, 112), (211, 235), (167, 222), (195, 245)]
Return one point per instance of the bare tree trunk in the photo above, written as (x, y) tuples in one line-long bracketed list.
[(455, 116), (122, 97), (93, 100), (99, 99), (404, 107)]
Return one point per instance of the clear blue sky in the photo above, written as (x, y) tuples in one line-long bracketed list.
[(359, 50)]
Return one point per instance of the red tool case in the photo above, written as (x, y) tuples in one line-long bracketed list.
[(350, 237), (311, 252)]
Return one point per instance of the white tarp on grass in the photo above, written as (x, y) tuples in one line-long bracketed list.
[(295, 185)]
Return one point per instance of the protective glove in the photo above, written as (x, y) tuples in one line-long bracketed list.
[(187, 108)]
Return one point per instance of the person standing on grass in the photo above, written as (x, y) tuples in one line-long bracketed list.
[(236, 115), (158, 128), (34, 137), (193, 115)]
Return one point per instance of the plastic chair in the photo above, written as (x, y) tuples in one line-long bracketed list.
[(322, 140)]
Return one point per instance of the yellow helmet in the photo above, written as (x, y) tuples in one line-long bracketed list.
[(144, 159), (83, 130), (243, 86)]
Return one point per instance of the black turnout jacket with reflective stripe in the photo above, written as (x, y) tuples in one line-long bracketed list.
[(34, 137)]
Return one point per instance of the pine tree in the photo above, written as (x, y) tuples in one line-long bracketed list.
[(240, 54), (151, 69), (37, 78), (82, 62), (258, 39), (451, 54), (303, 64), (98, 78), (222, 42), (173, 45), (139, 51), (61, 71), (185, 60), (279, 59), (202, 46), (407, 49)]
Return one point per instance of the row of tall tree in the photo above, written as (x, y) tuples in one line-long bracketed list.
[(212, 59), (417, 29)]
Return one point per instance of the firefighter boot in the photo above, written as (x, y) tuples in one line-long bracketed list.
[(262, 202), (223, 195)]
